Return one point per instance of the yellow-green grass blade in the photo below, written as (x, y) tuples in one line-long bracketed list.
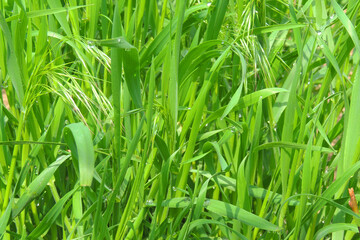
[(116, 82), (5, 217), (352, 128), (279, 27), (92, 13)]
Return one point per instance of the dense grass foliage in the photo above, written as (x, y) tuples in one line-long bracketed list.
[(192, 119)]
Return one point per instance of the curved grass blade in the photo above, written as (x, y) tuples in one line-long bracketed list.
[(226, 210), (234, 212), (334, 227), (180, 202), (78, 138), (333, 189), (192, 55), (243, 102), (254, 191), (224, 165), (347, 24)]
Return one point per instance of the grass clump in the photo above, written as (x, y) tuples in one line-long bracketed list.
[(179, 119)]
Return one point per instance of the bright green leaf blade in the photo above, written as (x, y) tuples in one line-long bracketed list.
[(293, 146), (37, 186), (234, 212), (347, 24), (78, 138), (5, 219), (279, 27), (254, 97), (44, 12), (334, 227)]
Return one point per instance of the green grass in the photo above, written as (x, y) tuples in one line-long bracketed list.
[(194, 119)]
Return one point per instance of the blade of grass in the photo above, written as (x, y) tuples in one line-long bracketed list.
[(37, 186), (78, 138)]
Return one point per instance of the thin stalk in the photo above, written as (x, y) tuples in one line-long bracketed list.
[(13, 163)]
